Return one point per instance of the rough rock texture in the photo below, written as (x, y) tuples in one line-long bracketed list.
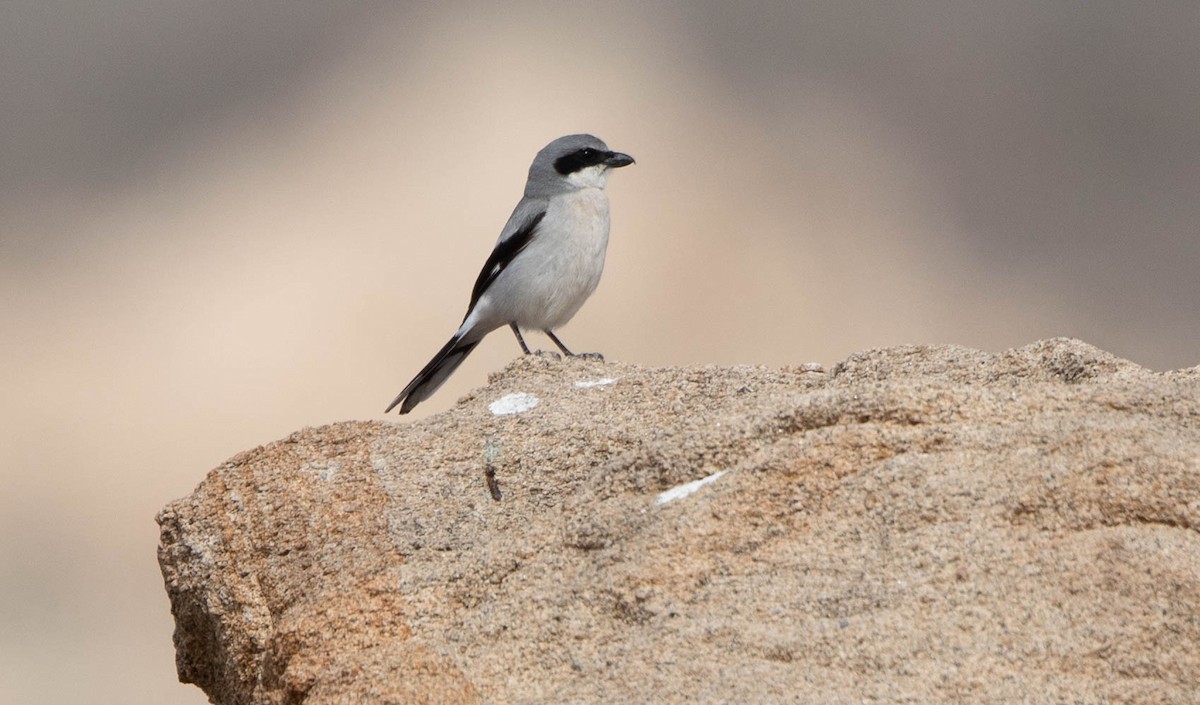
[(925, 524)]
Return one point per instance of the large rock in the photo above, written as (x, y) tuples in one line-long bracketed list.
[(925, 524)]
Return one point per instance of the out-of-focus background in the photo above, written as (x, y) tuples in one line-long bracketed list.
[(222, 221)]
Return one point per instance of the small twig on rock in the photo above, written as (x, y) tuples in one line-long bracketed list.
[(490, 453), (489, 476)]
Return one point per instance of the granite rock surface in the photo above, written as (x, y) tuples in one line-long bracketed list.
[(918, 524)]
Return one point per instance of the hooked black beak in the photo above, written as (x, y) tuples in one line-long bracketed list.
[(616, 159)]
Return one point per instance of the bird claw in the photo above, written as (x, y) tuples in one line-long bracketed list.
[(547, 353), (590, 356)]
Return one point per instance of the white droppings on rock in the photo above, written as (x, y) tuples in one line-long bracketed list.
[(588, 384), (516, 403), (687, 488)]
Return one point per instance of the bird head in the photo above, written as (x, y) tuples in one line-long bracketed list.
[(573, 162)]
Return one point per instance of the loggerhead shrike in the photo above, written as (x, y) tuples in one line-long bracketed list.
[(546, 263)]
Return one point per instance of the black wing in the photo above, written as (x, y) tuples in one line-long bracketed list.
[(502, 256)]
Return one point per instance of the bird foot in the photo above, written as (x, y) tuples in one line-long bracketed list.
[(589, 356), (547, 353)]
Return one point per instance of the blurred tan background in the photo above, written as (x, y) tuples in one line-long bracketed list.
[(223, 221)]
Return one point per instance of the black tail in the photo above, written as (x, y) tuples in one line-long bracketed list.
[(433, 375)]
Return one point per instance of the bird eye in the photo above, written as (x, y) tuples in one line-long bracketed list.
[(587, 151)]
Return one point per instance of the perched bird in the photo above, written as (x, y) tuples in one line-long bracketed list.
[(546, 263)]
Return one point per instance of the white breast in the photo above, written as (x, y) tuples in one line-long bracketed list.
[(548, 282)]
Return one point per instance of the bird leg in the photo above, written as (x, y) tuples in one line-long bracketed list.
[(568, 353), (517, 332)]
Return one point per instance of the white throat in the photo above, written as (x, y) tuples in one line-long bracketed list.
[(589, 177)]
